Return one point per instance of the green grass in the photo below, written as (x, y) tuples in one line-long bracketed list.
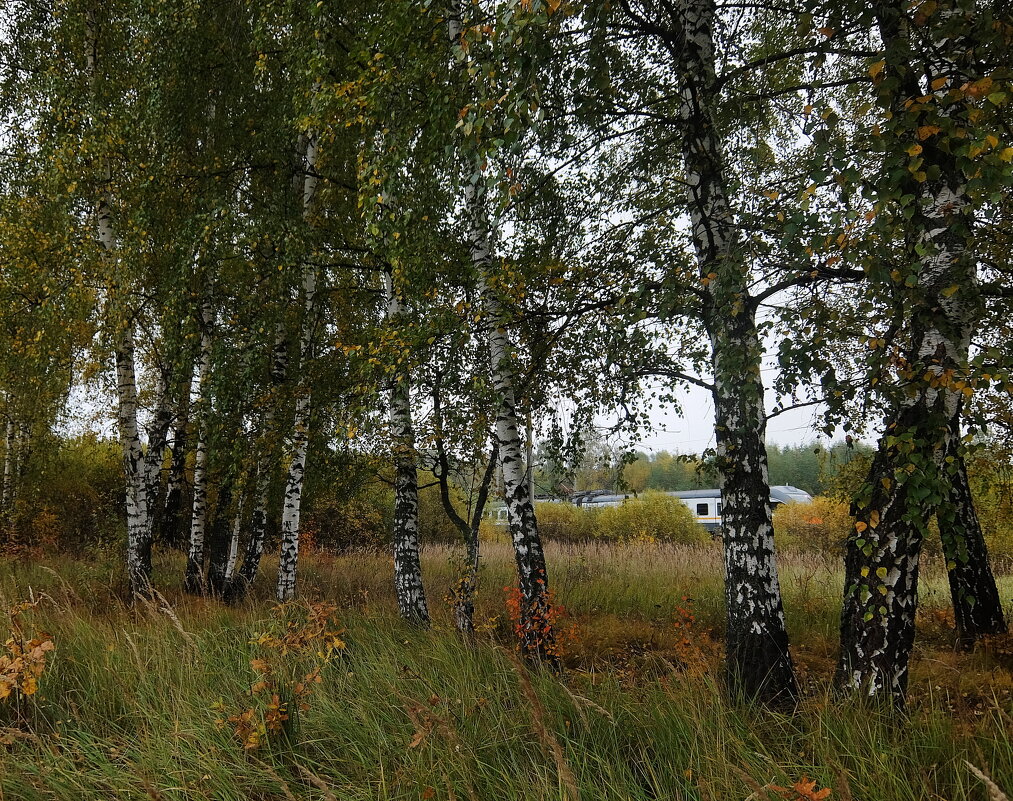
[(131, 703)]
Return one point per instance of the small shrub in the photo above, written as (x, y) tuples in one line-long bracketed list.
[(652, 517), (564, 522), (821, 525)]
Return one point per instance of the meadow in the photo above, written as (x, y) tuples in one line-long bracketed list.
[(332, 697)]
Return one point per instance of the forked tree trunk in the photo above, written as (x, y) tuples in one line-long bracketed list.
[(300, 425), (254, 550), (194, 578), (757, 661), (977, 607), (411, 594), (910, 476)]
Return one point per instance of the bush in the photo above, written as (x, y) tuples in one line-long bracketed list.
[(653, 517), (822, 525)]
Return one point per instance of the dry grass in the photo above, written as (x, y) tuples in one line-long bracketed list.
[(136, 700)]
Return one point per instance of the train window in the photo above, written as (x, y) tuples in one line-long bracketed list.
[(701, 509), (719, 509)]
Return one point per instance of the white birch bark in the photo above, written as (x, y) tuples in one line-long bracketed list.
[(534, 628), (194, 579), (138, 524), (882, 565), (138, 527), (7, 496), (411, 596), (758, 664), (289, 557), (230, 566), (158, 442)]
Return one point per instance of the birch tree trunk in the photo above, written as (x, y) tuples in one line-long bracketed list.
[(173, 522), (194, 578), (220, 541), (909, 476), (300, 425), (757, 661), (138, 523), (7, 495), (154, 456), (534, 628), (411, 594), (977, 607), (254, 550)]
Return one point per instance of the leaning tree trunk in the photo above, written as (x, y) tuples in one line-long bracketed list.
[(534, 627), (977, 607), (300, 425), (194, 577), (757, 661), (411, 594), (910, 476)]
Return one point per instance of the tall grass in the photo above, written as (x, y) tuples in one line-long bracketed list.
[(135, 700)]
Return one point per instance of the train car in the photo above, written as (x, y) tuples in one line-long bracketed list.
[(705, 504)]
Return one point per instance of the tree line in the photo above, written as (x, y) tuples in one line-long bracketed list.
[(428, 230)]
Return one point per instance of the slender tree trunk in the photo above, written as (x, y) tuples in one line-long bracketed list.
[(138, 522), (10, 447), (220, 541), (194, 578), (757, 661), (977, 607), (538, 639), (254, 550), (535, 630), (910, 476), (411, 594), (237, 524), (173, 523), (138, 526), (300, 426), (154, 456)]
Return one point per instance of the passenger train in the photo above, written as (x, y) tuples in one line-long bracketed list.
[(705, 504)]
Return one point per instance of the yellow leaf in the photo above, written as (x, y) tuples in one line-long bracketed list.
[(950, 291), (874, 518), (881, 572), (1007, 154), (877, 68), (860, 526), (925, 131), (914, 150), (939, 83)]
